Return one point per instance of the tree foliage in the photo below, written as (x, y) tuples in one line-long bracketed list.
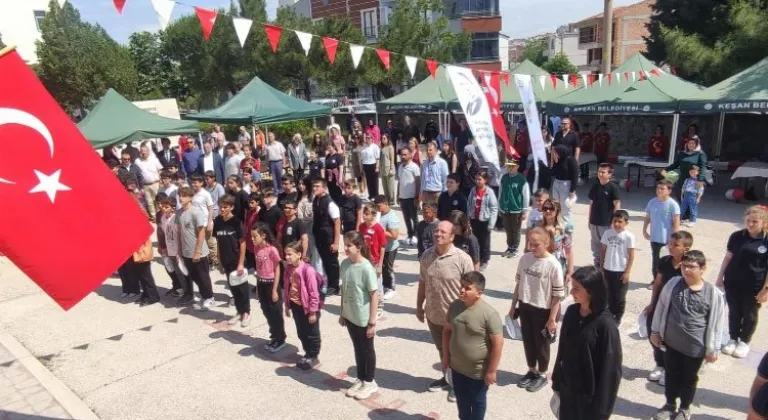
[(158, 76), (333, 79), (560, 64), (78, 62), (534, 51)]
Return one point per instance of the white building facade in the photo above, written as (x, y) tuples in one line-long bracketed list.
[(20, 25)]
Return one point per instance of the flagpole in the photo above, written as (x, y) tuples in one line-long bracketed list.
[(7, 50)]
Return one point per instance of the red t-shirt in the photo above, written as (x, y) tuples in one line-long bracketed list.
[(657, 147), (602, 144), (479, 194), (587, 140), (374, 238), (522, 143)]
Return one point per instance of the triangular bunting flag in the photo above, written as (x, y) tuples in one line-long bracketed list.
[(591, 79), (584, 79), (618, 77), (357, 53), (600, 79), (119, 4), (207, 19), (574, 81), (505, 76), (242, 29), (384, 57), (642, 75), (164, 9), (673, 70), (542, 81), (610, 78), (565, 80), (62, 2), (273, 34), (331, 45), (626, 76), (634, 76), (655, 72), (305, 39), (410, 62), (554, 81), (432, 67)]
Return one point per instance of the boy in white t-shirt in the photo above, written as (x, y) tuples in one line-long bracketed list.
[(168, 245), (616, 257)]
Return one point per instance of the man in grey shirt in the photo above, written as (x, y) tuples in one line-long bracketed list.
[(194, 250)]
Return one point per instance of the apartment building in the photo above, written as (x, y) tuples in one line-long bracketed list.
[(20, 26), (566, 40)]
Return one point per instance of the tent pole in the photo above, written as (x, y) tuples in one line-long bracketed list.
[(718, 146), (673, 138)]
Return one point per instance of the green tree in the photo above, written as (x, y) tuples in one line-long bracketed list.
[(158, 76), (333, 79), (291, 62), (78, 62), (534, 51), (559, 64)]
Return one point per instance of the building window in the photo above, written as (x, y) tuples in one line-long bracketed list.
[(368, 24), (39, 16), (485, 46), (587, 34), (480, 7), (594, 55)]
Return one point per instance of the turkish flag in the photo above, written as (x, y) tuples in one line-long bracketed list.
[(67, 222), (492, 88)]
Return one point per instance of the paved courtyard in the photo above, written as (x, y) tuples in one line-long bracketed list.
[(166, 362)]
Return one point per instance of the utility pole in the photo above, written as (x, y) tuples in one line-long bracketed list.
[(607, 35)]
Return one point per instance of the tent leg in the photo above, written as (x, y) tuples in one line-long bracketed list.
[(718, 146), (673, 138)]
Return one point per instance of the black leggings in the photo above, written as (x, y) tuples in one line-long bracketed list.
[(533, 320), (483, 235), (365, 353), (372, 180), (241, 293), (743, 313)]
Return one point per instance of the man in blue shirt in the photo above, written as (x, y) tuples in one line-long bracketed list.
[(189, 159), (434, 173)]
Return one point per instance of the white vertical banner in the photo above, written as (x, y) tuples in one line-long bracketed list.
[(411, 63), (357, 53), (524, 86), (305, 39), (477, 112), (242, 29), (164, 9)]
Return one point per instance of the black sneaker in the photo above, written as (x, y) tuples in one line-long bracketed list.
[(515, 253), (169, 292), (526, 380), (537, 383), (186, 299), (438, 385), (309, 364), (301, 362), (275, 346), (667, 412), (148, 302), (176, 293)]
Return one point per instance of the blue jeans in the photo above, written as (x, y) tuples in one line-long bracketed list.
[(470, 396), (276, 169), (690, 204)]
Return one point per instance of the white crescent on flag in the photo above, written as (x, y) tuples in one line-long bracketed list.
[(15, 116)]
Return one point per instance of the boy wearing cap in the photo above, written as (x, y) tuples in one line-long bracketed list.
[(514, 197)]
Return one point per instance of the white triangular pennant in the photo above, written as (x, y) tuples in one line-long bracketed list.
[(600, 79), (411, 63), (565, 81), (543, 82), (584, 78), (617, 77), (357, 53), (634, 77), (242, 28), (62, 2), (164, 9), (305, 39)]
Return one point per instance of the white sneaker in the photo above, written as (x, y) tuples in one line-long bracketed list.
[(729, 347), (366, 390), (414, 242), (656, 374), (389, 294), (245, 320), (234, 320), (207, 304), (742, 350), (354, 389)]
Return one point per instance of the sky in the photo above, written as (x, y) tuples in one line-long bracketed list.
[(521, 18)]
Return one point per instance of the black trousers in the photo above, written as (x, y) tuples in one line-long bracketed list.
[(129, 282), (655, 252), (532, 321), (388, 269), (241, 293), (499, 221), (483, 235), (309, 334), (575, 406), (617, 293), (512, 224), (200, 273), (143, 273), (658, 354), (365, 353), (273, 311), (410, 214), (184, 281), (682, 375), (743, 313), (371, 180), (330, 259), (176, 282)]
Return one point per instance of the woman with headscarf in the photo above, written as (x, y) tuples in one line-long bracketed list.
[(565, 171), (468, 170)]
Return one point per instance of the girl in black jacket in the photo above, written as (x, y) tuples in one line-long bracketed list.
[(588, 365)]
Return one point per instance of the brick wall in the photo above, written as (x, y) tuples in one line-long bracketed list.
[(481, 24)]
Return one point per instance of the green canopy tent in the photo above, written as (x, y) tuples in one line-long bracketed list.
[(433, 94), (115, 120), (745, 92), (510, 96), (260, 103)]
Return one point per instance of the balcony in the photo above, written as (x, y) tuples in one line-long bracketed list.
[(457, 9)]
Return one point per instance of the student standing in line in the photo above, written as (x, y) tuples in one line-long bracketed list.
[(326, 230), (565, 174), (193, 248), (391, 224), (268, 285), (669, 267), (141, 268), (616, 259), (587, 370), (451, 199), (351, 207), (514, 196), (536, 215), (691, 193), (235, 188), (744, 277), (376, 239), (203, 201), (358, 312), (408, 191), (603, 202), (562, 234), (425, 230), (688, 327), (464, 239), (270, 212), (369, 158), (538, 291), (483, 209), (290, 192), (251, 217), (387, 169), (662, 214), (304, 298), (168, 244), (291, 229), (230, 238), (472, 346)]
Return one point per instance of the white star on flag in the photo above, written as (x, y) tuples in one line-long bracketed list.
[(49, 184)]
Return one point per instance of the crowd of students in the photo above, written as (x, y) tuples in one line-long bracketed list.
[(289, 240)]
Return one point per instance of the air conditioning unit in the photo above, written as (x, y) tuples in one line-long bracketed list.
[(595, 62)]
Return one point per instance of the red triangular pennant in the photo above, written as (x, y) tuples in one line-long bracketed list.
[(610, 78), (331, 45), (207, 18), (642, 75), (505, 76), (119, 4), (574, 80), (655, 72), (626, 76), (384, 57), (432, 66), (554, 81), (273, 34), (673, 70), (591, 79)]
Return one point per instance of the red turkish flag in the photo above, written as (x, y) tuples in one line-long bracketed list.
[(207, 18), (492, 88), (273, 33), (432, 67), (384, 57), (119, 4), (331, 45), (67, 222)]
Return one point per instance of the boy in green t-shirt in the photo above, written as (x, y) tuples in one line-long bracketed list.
[(472, 357), (514, 198)]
